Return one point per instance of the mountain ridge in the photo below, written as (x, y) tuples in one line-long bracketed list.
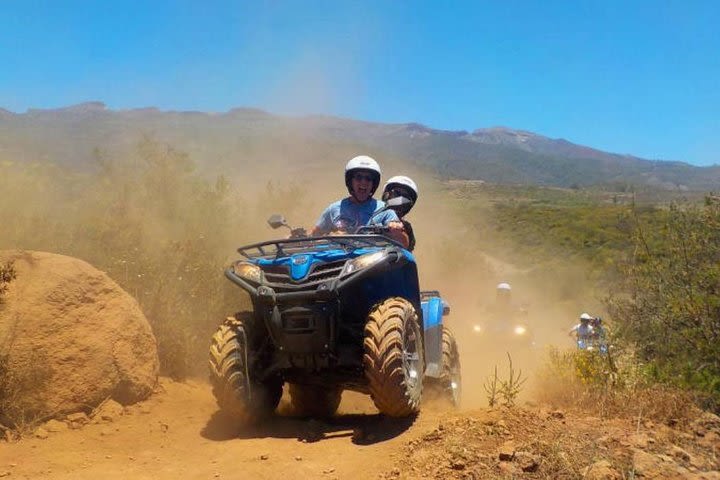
[(499, 154)]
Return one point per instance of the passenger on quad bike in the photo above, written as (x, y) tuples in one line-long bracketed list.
[(362, 178), (402, 186), (583, 331)]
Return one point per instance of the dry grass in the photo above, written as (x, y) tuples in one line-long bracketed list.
[(611, 388)]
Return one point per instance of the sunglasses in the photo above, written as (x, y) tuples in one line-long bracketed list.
[(362, 176), (397, 192)]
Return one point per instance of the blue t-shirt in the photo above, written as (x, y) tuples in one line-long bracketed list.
[(348, 216)]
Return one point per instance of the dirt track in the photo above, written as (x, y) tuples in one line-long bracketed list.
[(176, 434)]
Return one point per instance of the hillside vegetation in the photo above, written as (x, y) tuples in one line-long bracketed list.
[(654, 265), (164, 231)]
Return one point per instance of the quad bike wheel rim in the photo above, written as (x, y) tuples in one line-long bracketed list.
[(411, 356)]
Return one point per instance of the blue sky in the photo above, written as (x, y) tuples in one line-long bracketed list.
[(639, 77)]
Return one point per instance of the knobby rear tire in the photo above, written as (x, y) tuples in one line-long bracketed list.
[(451, 378)]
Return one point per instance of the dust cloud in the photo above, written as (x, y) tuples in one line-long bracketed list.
[(451, 255)]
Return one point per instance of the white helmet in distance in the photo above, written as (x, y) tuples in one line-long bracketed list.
[(586, 316), (362, 162), (503, 286)]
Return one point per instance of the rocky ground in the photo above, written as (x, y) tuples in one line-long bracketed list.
[(176, 433)]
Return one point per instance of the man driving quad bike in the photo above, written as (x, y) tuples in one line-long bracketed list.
[(362, 178), (330, 313)]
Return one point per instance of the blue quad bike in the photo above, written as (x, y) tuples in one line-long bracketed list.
[(332, 313)]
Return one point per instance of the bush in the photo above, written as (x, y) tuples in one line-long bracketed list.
[(158, 228), (613, 385), (667, 306), (7, 275)]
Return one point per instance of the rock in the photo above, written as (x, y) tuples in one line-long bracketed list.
[(527, 461), (328, 470), (679, 453), (55, 426), (77, 420), (507, 468), (264, 456), (557, 414), (506, 452), (76, 333), (710, 440), (601, 470), (641, 440), (108, 411), (648, 465), (41, 433)]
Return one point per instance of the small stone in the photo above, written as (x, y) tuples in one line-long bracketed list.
[(507, 468), (506, 452), (298, 458), (328, 470), (108, 411), (4, 474), (41, 433), (108, 457), (557, 414), (264, 456), (679, 453), (79, 417), (640, 440), (527, 461), (601, 470), (54, 426)]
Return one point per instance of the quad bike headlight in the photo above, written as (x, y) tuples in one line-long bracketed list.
[(520, 330), (248, 271), (363, 261)]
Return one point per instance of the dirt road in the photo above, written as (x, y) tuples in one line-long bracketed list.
[(177, 434)]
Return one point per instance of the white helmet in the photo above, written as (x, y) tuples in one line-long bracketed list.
[(405, 182), (503, 286), (362, 162), (586, 316)]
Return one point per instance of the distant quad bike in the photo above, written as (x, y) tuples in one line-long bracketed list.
[(332, 313)]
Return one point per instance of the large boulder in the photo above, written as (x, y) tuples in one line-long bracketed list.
[(70, 338)]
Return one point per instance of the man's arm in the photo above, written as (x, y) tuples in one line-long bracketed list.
[(324, 223)]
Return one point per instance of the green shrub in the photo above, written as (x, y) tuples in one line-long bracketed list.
[(667, 306)]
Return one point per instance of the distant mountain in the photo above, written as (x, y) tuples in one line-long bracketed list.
[(221, 141)]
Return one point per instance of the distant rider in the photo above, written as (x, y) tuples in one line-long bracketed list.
[(502, 313), (599, 333), (402, 186), (362, 178), (583, 331)]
